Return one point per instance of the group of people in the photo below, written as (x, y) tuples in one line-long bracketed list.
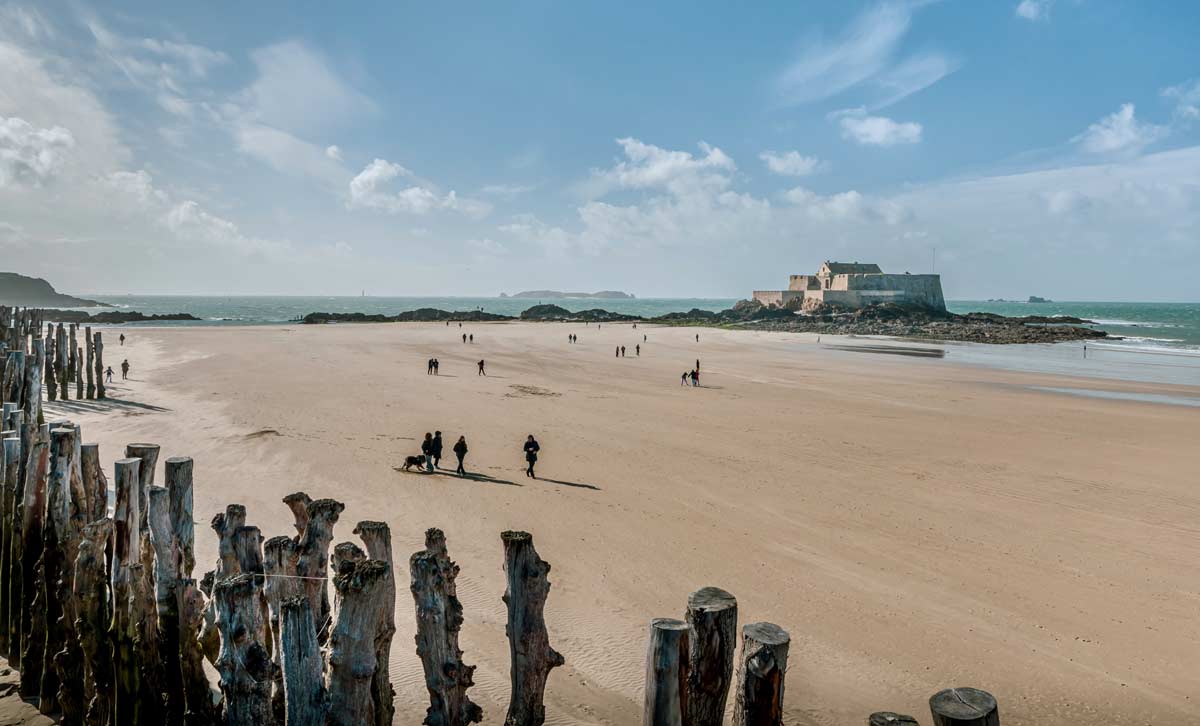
[(467, 337), (431, 368), (431, 449), (693, 375), (572, 338), (621, 350)]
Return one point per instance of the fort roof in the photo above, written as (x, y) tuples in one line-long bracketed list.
[(852, 268)]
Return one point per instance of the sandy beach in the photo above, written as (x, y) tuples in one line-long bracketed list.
[(914, 524)]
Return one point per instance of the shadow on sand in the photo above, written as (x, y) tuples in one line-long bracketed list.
[(100, 406), (579, 485), (449, 474)]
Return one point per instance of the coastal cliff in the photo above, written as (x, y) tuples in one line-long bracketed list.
[(34, 292)]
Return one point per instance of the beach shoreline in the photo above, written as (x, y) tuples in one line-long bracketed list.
[(914, 523)]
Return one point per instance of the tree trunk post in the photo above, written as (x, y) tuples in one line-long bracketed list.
[(177, 471), (33, 624), (92, 619), (77, 372), (313, 557), (14, 378), (17, 547), (88, 347), (298, 502), (377, 537), (887, 718), (50, 364), (760, 676), (244, 664), (197, 692), (362, 593), (95, 483), (300, 657), (63, 667), (72, 360), (148, 453), (61, 372), (126, 567), (247, 543), (439, 618), (98, 348), (964, 707), (281, 585), (712, 640), (532, 658), (225, 524), (666, 673), (35, 364), (166, 600), (11, 458), (209, 639)]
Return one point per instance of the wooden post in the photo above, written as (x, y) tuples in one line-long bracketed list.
[(14, 378), (98, 347), (712, 640), (197, 693), (532, 658), (126, 566), (666, 673), (244, 664), (166, 600), (439, 618), (58, 557), (77, 372), (177, 471), (72, 360), (11, 458), (964, 707), (887, 718), (352, 663), (298, 502), (247, 543), (91, 363), (16, 547), (95, 483), (148, 453), (33, 622), (281, 585), (312, 552), (761, 673), (377, 537), (92, 618), (209, 639), (300, 657), (61, 354), (50, 364), (225, 525), (35, 364)]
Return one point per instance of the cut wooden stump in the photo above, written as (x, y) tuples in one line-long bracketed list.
[(439, 618), (377, 537), (98, 350), (197, 693), (666, 673), (281, 585), (225, 525), (91, 363), (8, 508), (166, 600), (244, 664), (712, 640), (33, 616), (126, 575), (305, 698), (177, 472), (92, 619), (532, 658), (298, 502), (57, 560), (148, 453), (60, 365), (361, 591), (887, 718), (964, 707), (312, 556), (761, 676), (95, 483), (16, 602), (210, 638)]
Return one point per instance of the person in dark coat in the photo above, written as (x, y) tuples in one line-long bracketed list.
[(436, 448), (427, 450), (531, 454), (460, 450)]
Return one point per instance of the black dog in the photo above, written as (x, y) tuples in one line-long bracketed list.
[(411, 461)]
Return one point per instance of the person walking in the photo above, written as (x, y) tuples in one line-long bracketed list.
[(638, 349), (125, 369), (531, 455), (697, 364), (464, 337), (122, 339), (472, 337), (436, 365), (460, 451), (695, 377), (645, 338), (429, 367), (481, 372), (427, 450), (697, 337), (617, 352), (436, 448), (108, 374), (622, 351), (683, 380)]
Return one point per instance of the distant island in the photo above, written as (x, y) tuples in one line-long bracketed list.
[(1036, 299), (559, 295), (19, 290)]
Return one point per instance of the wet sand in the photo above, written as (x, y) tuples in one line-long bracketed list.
[(913, 523)]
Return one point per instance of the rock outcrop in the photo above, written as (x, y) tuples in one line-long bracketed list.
[(34, 292)]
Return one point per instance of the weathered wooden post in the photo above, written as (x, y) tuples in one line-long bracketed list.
[(33, 620), (94, 481), (77, 372), (761, 674), (148, 453), (166, 600), (964, 707), (88, 346), (225, 524), (887, 718), (666, 673), (298, 502), (177, 471), (197, 694), (244, 664), (14, 378), (247, 543), (93, 615), (361, 591), (35, 363), (312, 556), (439, 618), (16, 547), (61, 354), (300, 657), (58, 556), (281, 585), (71, 359), (126, 566), (98, 348), (377, 537), (11, 457), (50, 363), (532, 658), (712, 640)]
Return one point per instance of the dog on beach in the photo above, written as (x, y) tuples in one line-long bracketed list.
[(411, 461)]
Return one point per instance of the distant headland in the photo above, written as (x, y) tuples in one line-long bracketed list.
[(19, 290), (558, 295)]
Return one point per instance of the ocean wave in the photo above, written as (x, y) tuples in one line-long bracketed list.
[(1134, 323)]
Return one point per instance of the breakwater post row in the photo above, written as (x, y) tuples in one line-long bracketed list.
[(101, 614), (66, 360)]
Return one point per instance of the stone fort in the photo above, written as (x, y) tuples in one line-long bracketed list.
[(855, 285)]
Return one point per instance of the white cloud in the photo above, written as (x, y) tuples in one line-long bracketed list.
[(190, 222), (367, 191), (507, 190), (137, 185), (846, 206), (1034, 9), (1187, 99), (865, 58), (197, 58), (298, 90), (860, 128), (487, 247), (791, 163), (287, 153), (650, 167), (30, 155), (1120, 131), (333, 152)]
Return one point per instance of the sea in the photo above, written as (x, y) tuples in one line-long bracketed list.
[(1151, 342)]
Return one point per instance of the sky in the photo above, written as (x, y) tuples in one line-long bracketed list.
[(668, 149)]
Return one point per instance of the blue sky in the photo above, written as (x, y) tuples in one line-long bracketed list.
[(1041, 146)]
